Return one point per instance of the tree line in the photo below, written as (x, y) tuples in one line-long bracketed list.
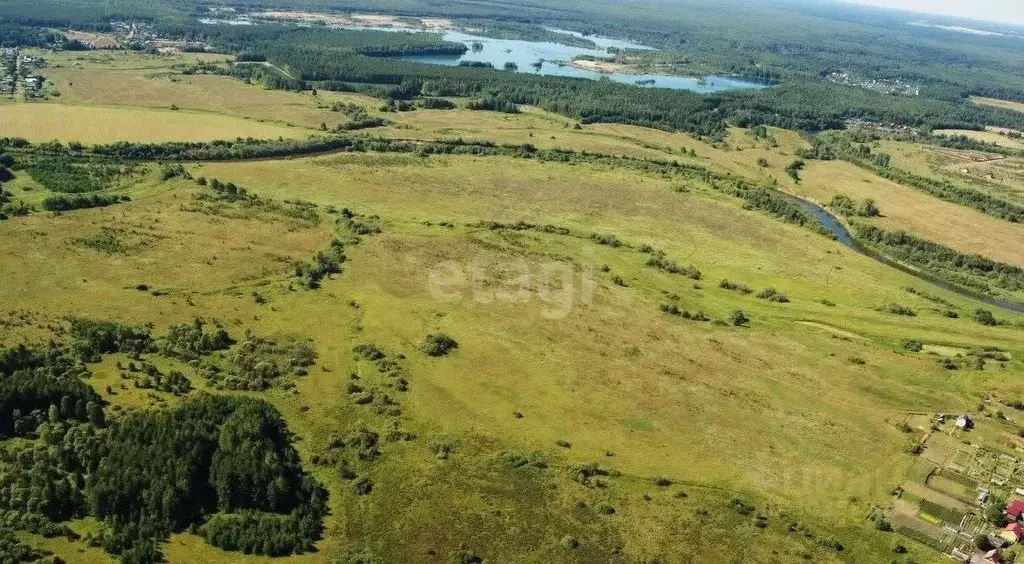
[(969, 270)]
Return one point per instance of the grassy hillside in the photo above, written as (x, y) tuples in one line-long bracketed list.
[(581, 417), (613, 375)]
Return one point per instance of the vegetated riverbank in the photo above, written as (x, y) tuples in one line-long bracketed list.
[(845, 237)]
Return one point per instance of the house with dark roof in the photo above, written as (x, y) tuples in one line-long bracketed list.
[(990, 557)]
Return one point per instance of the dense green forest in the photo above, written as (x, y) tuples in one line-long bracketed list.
[(266, 41), (223, 465)]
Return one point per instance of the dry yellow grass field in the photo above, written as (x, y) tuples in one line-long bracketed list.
[(739, 155), (903, 207), (207, 93), (102, 59), (40, 122), (990, 135), (1007, 104), (534, 126), (1001, 176)]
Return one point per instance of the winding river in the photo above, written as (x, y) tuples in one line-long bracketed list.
[(844, 237)]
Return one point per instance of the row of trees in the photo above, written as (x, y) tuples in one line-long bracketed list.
[(973, 271), (81, 201)]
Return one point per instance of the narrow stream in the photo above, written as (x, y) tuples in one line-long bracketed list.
[(843, 236)]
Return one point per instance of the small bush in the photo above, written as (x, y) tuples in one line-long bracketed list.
[(671, 309), (833, 543), (362, 486), (985, 317), (896, 309), (606, 239), (738, 318), (912, 345), (773, 295), (368, 352), (438, 344), (868, 209)]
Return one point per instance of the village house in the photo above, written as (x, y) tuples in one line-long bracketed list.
[(1013, 532), (1014, 510), (990, 557)]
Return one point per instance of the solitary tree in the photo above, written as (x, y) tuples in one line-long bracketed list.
[(738, 318), (995, 513), (868, 209), (794, 168)]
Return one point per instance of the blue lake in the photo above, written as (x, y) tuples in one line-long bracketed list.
[(553, 60)]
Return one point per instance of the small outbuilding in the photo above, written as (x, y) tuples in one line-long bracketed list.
[(982, 497)]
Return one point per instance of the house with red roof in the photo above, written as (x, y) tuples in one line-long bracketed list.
[(1013, 532), (1015, 509)]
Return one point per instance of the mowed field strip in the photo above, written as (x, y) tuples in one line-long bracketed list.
[(40, 122), (1015, 106)]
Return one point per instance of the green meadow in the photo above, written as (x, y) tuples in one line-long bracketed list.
[(581, 417)]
